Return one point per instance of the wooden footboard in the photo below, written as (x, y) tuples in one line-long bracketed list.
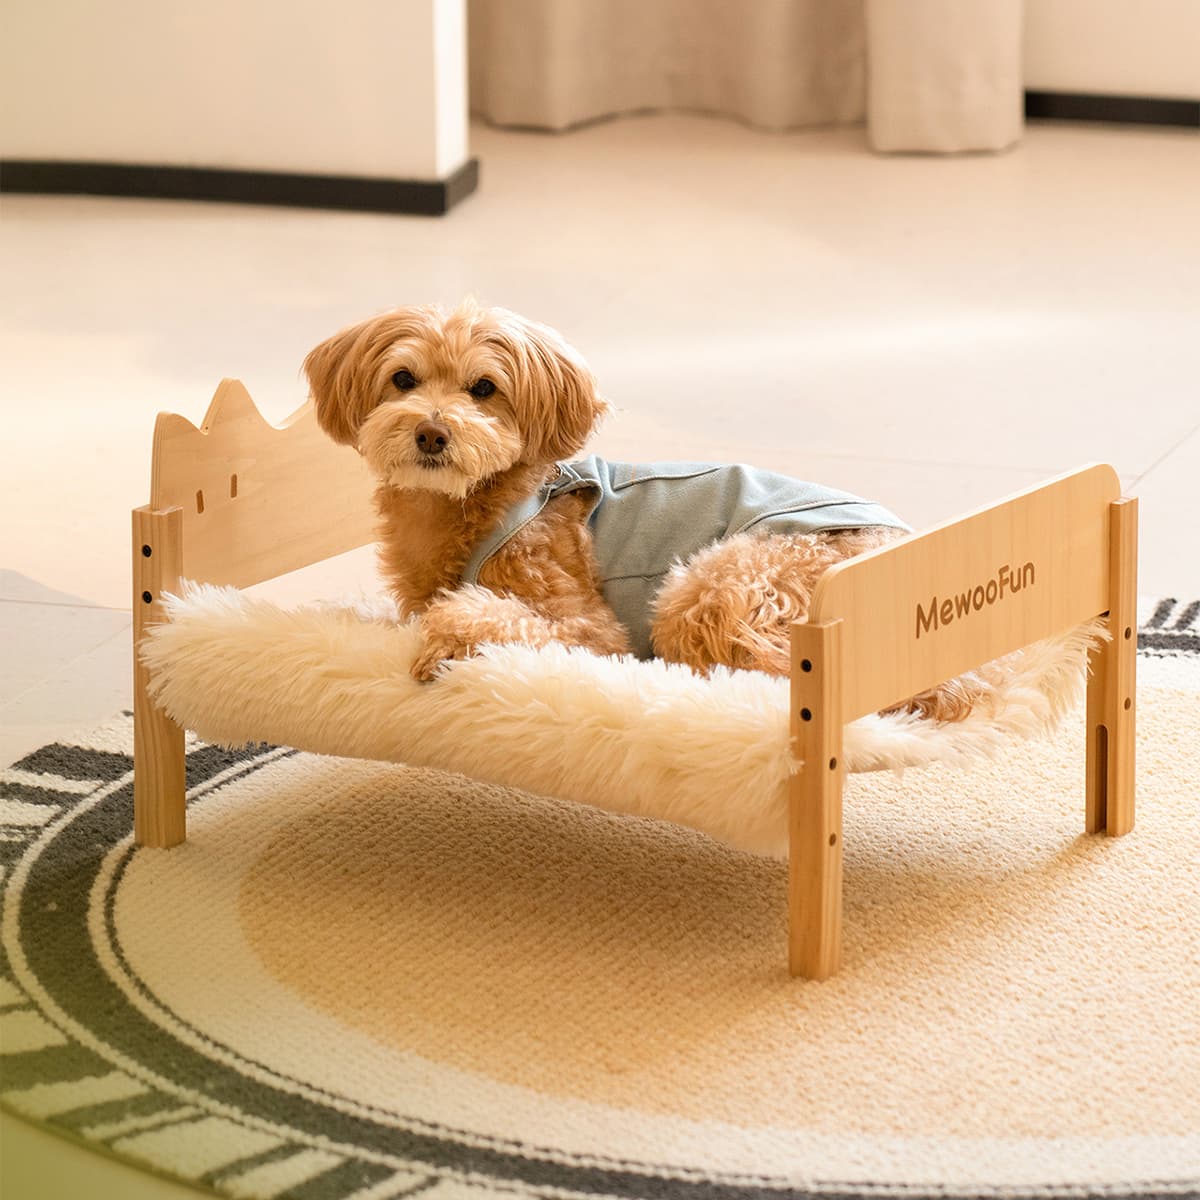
[(901, 619)]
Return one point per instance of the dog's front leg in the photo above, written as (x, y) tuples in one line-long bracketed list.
[(457, 623)]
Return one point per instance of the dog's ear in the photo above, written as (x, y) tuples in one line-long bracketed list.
[(333, 380), (555, 392)]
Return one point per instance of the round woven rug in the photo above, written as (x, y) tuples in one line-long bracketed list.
[(362, 980)]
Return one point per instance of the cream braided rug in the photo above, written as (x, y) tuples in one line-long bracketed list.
[(363, 980)]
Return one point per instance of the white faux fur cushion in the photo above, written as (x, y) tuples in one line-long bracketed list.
[(633, 737)]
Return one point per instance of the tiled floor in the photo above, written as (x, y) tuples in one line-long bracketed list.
[(933, 332)]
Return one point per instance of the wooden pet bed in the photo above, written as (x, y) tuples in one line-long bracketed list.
[(238, 502)]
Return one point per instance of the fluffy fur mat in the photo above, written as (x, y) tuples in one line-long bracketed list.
[(646, 738)]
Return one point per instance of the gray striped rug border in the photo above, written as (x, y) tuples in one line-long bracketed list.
[(1173, 628)]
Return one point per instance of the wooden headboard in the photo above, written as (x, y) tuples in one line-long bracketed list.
[(237, 501), (257, 500)]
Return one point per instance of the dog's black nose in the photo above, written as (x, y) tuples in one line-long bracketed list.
[(432, 437)]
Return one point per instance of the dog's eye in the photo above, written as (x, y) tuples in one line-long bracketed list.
[(482, 389), (404, 380)]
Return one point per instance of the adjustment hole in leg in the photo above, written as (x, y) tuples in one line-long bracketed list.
[(833, 764), (1128, 633), (806, 714), (833, 839), (200, 501), (806, 664), (1128, 703), (146, 552), (147, 598), (233, 487)]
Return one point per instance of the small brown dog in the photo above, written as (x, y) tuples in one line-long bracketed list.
[(488, 535)]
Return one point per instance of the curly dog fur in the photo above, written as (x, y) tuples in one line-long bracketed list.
[(460, 415)]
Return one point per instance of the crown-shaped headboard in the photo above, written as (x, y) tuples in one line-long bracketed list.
[(235, 502), (257, 500)]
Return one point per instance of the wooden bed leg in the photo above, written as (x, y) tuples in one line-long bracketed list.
[(815, 800), (159, 810), (1112, 686)]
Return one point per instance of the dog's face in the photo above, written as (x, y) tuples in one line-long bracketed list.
[(444, 402)]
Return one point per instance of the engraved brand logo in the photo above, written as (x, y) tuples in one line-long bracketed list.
[(942, 612)]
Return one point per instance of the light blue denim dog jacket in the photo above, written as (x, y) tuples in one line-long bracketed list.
[(647, 517)]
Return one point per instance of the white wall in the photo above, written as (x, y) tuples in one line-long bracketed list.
[(1117, 47), (355, 87)]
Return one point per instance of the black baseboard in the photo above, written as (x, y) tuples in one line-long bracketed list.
[(350, 193), (353, 193), (1121, 110)]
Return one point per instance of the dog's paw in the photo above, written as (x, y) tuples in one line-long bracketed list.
[(437, 650)]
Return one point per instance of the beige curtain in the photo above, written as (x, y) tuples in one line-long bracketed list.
[(926, 75)]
